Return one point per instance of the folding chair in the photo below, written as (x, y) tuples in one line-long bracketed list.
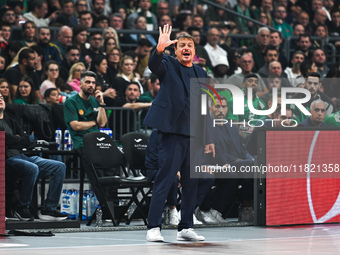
[(102, 164), (134, 147)]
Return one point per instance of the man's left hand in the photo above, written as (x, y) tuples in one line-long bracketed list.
[(210, 148)]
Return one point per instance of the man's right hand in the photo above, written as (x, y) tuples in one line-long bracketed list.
[(164, 38)]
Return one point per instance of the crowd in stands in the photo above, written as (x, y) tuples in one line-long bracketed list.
[(60, 40)]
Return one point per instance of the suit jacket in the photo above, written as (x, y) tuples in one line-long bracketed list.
[(173, 96)]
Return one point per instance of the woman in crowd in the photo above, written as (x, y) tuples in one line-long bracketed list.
[(74, 79), (79, 37), (25, 93), (3, 63), (29, 30), (109, 43), (4, 90), (125, 75), (110, 32), (113, 57)]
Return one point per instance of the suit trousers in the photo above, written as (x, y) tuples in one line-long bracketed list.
[(174, 155)]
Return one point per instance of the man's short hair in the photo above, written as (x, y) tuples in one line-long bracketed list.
[(24, 54), (279, 33), (185, 35), (316, 102), (262, 29), (217, 99), (63, 2), (88, 73), (271, 47), (116, 14), (84, 13), (298, 52), (72, 47), (153, 78), (313, 74), (251, 75), (144, 42), (305, 35), (38, 3), (49, 91), (38, 49), (97, 32), (193, 28), (39, 29), (133, 83)]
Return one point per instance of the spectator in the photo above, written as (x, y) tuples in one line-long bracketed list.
[(307, 67), (318, 114), (125, 76), (334, 25), (151, 94), (5, 35), (51, 51), (29, 30), (322, 32), (165, 19), (183, 21), (116, 21), (79, 37), (328, 6), (4, 91), (304, 44), (86, 19), (319, 58), (244, 26), (113, 58), (84, 112), (162, 9), (279, 21), (276, 41), (298, 30), (71, 57), (303, 19), (28, 170), (25, 93), (212, 48), (74, 77), (37, 15), (8, 16), (81, 5), (320, 17), (333, 120), (3, 63), (101, 21), (101, 7), (275, 69), (201, 56), (259, 48), (66, 16), (65, 34), (219, 72), (109, 43), (265, 8), (143, 51), (294, 72), (95, 47), (27, 64), (52, 96), (271, 54), (143, 10), (110, 32)]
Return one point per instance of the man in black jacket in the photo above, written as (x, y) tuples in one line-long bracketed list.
[(28, 170)]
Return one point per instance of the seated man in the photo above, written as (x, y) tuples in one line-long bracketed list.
[(318, 111), (28, 170), (229, 152)]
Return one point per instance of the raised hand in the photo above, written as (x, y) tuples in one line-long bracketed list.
[(164, 38)]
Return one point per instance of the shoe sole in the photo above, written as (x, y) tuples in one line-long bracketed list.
[(155, 240), (51, 218), (21, 218), (189, 239)]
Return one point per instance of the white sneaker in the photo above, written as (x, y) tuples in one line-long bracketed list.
[(154, 235), (196, 221), (173, 217), (188, 234), (205, 217), (217, 215)]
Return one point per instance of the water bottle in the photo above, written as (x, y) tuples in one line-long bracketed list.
[(67, 140), (99, 217), (58, 138)]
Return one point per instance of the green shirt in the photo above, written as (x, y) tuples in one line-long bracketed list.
[(146, 97), (76, 108), (333, 120)]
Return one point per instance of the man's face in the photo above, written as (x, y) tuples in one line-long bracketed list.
[(81, 6), (68, 9), (6, 32), (274, 83), (143, 51), (185, 51), (197, 36), (132, 92), (321, 32), (251, 83), (304, 43), (281, 12), (329, 4), (44, 36), (2, 63), (98, 6), (42, 11), (267, 5), (275, 68), (9, 17), (336, 18), (213, 37), (116, 23), (297, 60), (31, 62), (319, 58), (198, 22), (219, 111), (88, 85), (285, 118), (165, 19), (275, 39), (247, 63), (162, 9), (53, 98), (144, 4), (102, 24), (271, 56), (155, 87), (303, 19), (313, 85), (318, 112), (65, 38), (298, 30), (316, 4), (86, 20), (263, 38), (95, 41), (320, 16), (72, 56)]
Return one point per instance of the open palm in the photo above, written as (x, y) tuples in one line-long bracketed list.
[(164, 38)]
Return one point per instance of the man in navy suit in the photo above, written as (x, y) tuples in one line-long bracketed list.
[(170, 114)]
